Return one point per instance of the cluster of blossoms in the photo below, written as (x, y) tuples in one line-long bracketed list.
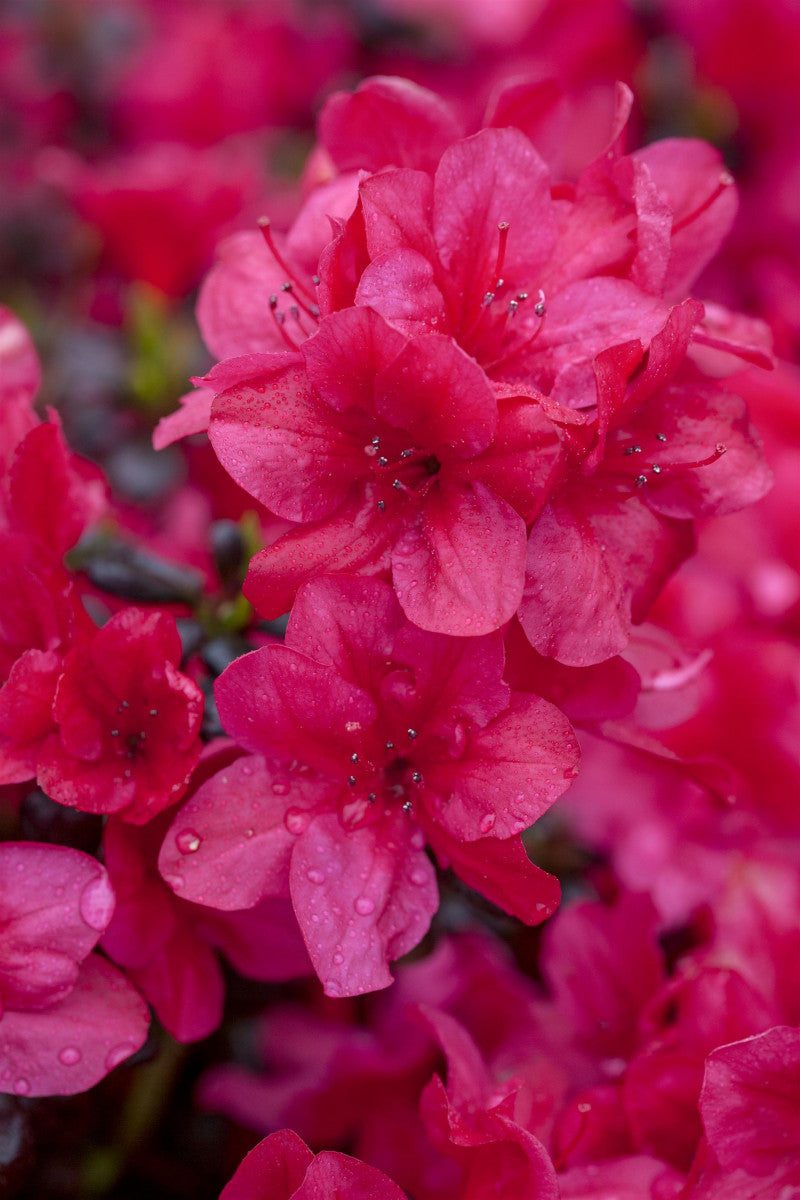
[(467, 419)]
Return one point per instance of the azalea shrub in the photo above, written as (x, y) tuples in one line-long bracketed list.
[(400, 593)]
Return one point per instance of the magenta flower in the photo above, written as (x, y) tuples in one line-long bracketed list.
[(750, 1105), (41, 620), (283, 1168), (167, 946), (67, 1017), (375, 736), (128, 721), (393, 455)]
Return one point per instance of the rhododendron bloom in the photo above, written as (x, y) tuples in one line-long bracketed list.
[(128, 721), (40, 621), (656, 453), (283, 1168), (67, 1017), (394, 455), (46, 492), (375, 736), (167, 946)]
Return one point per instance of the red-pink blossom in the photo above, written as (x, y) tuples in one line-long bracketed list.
[(393, 455), (127, 721), (376, 736), (67, 1016), (283, 1168), (167, 945)]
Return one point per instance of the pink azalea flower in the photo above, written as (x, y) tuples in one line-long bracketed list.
[(283, 1168), (167, 945), (392, 454), (46, 492), (127, 721), (376, 736), (41, 620), (68, 1017)]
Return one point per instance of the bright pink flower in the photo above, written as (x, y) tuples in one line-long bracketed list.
[(283, 1168), (41, 620), (355, 1081), (376, 736), (750, 1105), (67, 1017), (394, 455), (46, 493), (657, 453), (128, 721), (166, 945), (159, 211), (474, 1121)]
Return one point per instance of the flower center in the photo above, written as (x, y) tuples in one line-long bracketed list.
[(407, 472), (493, 337), (377, 784)]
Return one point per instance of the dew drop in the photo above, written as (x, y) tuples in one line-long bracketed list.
[(69, 1056), (97, 903), (296, 821), (315, 876), (417, 839), (22, 1086), (364, 906), (418, 878), (118, 1055), (281, 787), (338, 959), (247, 770), (188, 841), (487, 822)]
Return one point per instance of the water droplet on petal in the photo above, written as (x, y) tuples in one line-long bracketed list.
[(487, 822), (97, 903), (281, 787), (364, 906), (22, 1086), (296, 821), (315, 876), (188, 841), (69, 1056), (118, 1055), (418, 878), (338, 959)]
